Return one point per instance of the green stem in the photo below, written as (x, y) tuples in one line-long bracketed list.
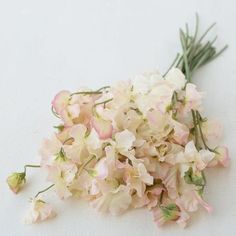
[(99, 91), (104, 102), (173, 63), (84, 165), (201, 133), (44, 190), (30, 166), (54, 112), (195, 129), (161, 197)]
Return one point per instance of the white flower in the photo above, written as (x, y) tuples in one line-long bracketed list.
[(115, 202), (176, 77), (39, 211), (124, 140)]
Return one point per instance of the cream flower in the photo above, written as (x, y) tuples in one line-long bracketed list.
[(39, 211), (116, 202), (62, 173), (176, 77), (103, 127), (137, 178), (193, 99), (124, 140)]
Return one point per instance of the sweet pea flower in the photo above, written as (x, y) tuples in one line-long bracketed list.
[(137, 178), (124, 140), (165, 213), (16, 181), (193, 99), (116, 202), (200, 159), (103, 127), (39, 211), (212, 131), (176, 77), (61, 101), (221, 157), (50, 148), (62, 174), (133, 145)]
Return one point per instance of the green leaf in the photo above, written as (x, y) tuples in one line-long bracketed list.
[(170, 212), (196, 179)]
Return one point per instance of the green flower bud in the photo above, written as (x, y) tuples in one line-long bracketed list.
[(15, 181)]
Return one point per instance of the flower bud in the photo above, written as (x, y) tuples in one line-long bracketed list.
[(15, 181)]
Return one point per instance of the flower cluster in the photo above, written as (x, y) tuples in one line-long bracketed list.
[(140, 143), (134, 145)]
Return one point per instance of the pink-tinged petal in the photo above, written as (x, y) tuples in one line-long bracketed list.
[(74, 110), (60, 101), (184, 216), (158, 216), (212, 131), (65, 116), (170, 182), (165, 213), (203, 203), (101, 169), (138, 202), (39, 211), (144, 175), (103, 128), (223, 156), (181, 133), (193, 99)]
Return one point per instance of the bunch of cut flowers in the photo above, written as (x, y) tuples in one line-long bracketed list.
[(140, 143)]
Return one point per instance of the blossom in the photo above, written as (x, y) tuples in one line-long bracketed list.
[(163, 214), (176, 77), (103, 128), (193, 99), (134, 145), (62, 174), (115, 202), (15, 181), (39, 211), (212, 131), (124, 140)]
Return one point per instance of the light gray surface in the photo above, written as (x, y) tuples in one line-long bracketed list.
[(50, 45)]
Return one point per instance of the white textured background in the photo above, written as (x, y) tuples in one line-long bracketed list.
[(49, 45)]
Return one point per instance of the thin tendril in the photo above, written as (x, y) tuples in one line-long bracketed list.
[(173, 63), (44, 190)]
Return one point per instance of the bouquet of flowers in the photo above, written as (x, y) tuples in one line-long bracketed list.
[(140, 143)]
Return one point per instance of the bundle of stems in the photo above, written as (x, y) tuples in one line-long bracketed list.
[(195, 54)]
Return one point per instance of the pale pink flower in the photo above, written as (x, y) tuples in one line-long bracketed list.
[(62, 174), (193, 99), (137, 178), (124, 140), (176, 77), (60, 101), (165, 213), (221, 157), (39, 211), (103, 127), (200, 159), (116, 202), (50, 148), (181, 133), (212, 131)]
